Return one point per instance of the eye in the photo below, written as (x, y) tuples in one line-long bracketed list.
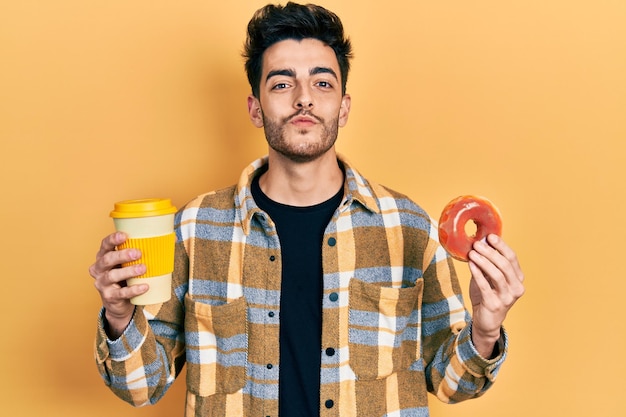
[(280, 86), (324, 84)]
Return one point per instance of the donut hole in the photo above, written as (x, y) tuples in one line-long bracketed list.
[(471, 228)]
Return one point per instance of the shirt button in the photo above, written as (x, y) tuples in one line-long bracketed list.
[(271, 314), (272, 258), (270, 366), (330, 352), (332, 241), (333, 296), (329, 403)]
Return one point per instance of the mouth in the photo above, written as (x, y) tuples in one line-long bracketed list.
[(303, 121)]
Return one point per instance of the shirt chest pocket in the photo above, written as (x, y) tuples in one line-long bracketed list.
[(216, 346), (384, 328)]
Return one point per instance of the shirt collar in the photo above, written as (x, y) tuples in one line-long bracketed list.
[(356, 190)]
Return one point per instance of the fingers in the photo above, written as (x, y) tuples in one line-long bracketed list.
[(109, 258), (110, 242), (115, 277), (115, 298), (501, 247), (110, 278), (495, 264)]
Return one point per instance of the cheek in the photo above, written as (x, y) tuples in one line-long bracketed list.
[(271, 113)]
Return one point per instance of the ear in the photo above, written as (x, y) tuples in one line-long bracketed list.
[(255, 112), (344, 110)]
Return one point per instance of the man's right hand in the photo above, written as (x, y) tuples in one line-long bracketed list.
[(110, 281)]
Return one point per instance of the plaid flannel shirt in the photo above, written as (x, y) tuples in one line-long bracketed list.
[(394, 323)]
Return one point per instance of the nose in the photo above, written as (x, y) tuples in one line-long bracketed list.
[(304, 100)]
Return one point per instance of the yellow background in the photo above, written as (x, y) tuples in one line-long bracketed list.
[(520, 101)]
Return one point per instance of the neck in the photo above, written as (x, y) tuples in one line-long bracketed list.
[(302, 184)]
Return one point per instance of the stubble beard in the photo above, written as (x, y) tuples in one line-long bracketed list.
[(303, 151)]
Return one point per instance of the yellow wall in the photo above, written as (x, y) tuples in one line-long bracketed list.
[(523, 102)]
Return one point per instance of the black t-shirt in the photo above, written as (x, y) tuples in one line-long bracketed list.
[(300, 231)]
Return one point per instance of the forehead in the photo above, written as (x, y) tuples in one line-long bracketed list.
[(300, 55)]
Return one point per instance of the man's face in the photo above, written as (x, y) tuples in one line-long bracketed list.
[(300, 103)]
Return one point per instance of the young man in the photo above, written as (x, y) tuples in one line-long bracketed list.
[(305, 289)]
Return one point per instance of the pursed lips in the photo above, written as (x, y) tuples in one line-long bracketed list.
[(303, 121)]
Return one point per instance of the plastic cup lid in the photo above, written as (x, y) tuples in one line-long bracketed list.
[(142, 208)]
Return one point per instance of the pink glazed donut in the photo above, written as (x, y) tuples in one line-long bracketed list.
[(455, 216)]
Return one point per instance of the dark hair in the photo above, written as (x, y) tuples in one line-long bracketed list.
[(275, 23)]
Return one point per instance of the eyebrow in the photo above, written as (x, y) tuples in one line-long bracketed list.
[(291, 73), (282, 72), (323, 70)]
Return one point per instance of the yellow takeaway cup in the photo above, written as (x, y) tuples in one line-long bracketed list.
[(149, 224)]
